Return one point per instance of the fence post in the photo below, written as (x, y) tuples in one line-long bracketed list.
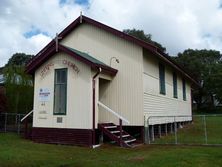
[(148, 130), (205, 128), (5, 122), (175, 130), (18, 123)]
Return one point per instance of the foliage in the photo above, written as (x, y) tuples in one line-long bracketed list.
[(19, 59), (206, 67), (19, 85), (3, 101), (145, 37)]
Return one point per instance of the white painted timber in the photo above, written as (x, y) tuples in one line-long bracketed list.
[(124, 93), (79, 95), (157, 105)]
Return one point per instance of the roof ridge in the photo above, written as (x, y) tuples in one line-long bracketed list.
[(149, 46)]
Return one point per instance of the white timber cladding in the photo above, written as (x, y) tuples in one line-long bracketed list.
[(124, 93), (79, 95), (156, 104)]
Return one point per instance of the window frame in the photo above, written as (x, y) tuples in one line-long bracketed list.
[(162, 80), (175, 85), (55, 71), (184, 89)]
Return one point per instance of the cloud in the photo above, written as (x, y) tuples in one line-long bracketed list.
[(177, 24)]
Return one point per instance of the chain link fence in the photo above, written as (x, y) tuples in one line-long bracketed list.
[(196, 130), (11, 122)]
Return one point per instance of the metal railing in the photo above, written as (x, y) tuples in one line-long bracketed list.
[(113, 112), (26, 116), (195, 129), (118, 116), (10, 122)]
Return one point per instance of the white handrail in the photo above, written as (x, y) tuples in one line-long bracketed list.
[(113, 112), (26, 115)]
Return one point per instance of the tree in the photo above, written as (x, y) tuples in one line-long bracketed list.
[(145, 37), (3, 101), (205, 66), (18, 84), (19, 59)]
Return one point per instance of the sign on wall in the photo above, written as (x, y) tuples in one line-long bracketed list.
[(44, 94)]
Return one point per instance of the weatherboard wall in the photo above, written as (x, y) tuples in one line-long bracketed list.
[(156, 104), (124, 93), (79, 95)]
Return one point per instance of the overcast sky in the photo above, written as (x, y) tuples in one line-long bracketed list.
[(28, 25)]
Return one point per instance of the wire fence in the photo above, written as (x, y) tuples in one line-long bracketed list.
[(11, 122), (196, 129)]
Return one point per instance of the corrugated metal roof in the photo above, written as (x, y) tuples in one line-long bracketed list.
[(86, 56)]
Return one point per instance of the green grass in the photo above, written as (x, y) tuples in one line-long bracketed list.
[(195, 133), (17, 152)]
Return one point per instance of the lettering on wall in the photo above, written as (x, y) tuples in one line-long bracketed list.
[(71, 65), (49, 66), (46, 69)]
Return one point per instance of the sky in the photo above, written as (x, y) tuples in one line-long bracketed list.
[(28, 25)]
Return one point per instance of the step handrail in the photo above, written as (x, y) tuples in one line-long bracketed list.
[(113, 112), (26, 116)]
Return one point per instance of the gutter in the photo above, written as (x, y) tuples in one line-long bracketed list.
[(94, 105)]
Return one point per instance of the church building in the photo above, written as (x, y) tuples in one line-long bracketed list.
[(93, 82)]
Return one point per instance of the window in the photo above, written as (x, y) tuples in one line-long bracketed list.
[(175, 85), (60, 89), (184, 90), (162, 79)]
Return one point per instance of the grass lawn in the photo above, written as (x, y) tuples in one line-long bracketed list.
[(17, 152), (195, 133)]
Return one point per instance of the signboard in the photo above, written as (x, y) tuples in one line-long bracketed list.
[(44, 94)]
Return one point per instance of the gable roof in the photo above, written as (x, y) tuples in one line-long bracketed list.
[(150, 47), (81, 56)]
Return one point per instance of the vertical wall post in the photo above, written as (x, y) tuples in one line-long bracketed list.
[(159, 128), (94, 105), (166, 129), (152, 132), (94, 108), (171, 127)]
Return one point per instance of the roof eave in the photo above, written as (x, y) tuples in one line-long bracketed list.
[(30, 69)]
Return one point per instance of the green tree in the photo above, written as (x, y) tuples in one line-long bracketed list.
[(145, 37), (205, 66), (19, 85), (19, 59)]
